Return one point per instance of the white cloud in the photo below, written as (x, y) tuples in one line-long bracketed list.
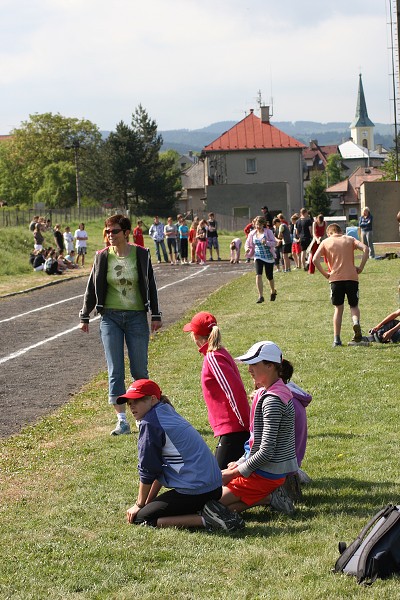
[(191, 63)]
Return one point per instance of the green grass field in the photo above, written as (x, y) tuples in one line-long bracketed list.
[(66, 484)]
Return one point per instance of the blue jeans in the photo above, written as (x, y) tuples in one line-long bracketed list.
[(367, 239), (164, 251), (117, 326)]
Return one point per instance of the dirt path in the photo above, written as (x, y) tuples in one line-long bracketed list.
[(45, 358)]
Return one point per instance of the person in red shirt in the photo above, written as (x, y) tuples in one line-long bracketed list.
[(138, 234), (223, 390)]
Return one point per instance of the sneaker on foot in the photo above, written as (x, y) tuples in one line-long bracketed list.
[(336, 343), (281, 502), (357, 333), (260, 300), (217, 516), (219, 258), (303, 477), (273, 296), (293, 488), (122, 428)]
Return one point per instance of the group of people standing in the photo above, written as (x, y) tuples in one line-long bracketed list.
[(201, 235)]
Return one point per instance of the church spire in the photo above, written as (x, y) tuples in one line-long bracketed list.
[(361, 119)]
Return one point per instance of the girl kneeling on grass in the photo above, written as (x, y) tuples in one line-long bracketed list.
[(173, 454), (270, 455), (223, 389)]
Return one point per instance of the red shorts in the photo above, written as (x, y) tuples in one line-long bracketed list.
[(296, 248), (254, 488)]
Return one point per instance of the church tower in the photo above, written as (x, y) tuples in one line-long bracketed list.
[(362, 128)]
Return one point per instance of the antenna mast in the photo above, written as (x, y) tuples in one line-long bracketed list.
[(395, 49)]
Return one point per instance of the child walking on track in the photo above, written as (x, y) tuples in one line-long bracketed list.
[(223, 390)]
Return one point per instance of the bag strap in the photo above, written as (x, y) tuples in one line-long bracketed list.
[(392, 517), (348, 552)]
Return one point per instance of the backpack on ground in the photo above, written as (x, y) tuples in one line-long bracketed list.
[(376, 551)]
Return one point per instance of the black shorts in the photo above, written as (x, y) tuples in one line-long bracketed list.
[(305, 243), (172, 504), (340, 289), (261, 265), (230, 447), (286, 248)]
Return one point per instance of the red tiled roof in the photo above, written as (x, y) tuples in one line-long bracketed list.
[(321, 151), (252, 134), (349, 187)]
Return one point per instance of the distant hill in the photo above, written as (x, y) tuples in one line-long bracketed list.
[(184, 140)]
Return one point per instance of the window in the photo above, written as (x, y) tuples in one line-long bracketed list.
[(251, 165), (241, 211)]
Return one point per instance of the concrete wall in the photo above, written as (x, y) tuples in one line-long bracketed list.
[(272, 166), (223, 199), (383, 200)]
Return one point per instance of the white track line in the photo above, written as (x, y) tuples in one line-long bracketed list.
[(58, 335), (40, 308)]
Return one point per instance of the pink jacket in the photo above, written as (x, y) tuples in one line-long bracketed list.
[(270, 242), (224, 393)]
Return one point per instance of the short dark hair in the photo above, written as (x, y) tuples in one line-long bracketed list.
[(120, 220)]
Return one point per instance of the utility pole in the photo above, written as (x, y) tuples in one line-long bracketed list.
[(75, 146), (395, 77)]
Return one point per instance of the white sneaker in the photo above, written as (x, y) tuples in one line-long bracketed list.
[(122, 428)]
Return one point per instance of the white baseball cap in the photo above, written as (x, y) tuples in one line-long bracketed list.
[(261, 351)]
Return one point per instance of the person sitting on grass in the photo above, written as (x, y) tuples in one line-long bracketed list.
[(173, 454), (256, 478), (223, 389), (51, 264), (387, 330)]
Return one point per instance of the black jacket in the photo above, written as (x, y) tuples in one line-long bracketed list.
[(96, 288)]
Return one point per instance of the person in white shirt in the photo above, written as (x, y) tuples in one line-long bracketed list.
[(81, 238)]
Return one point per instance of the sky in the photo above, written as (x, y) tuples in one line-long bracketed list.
[(191, 63)]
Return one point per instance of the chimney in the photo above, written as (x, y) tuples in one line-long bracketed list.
[(264, 114), (379, 148)]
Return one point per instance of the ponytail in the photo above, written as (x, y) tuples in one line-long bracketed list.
[(286, 370), (214, 339)]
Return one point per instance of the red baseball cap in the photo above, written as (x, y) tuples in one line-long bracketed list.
[(201, 324), (139, 389)]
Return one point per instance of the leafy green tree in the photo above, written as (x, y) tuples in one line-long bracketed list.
[(333, 169), (317, 200), (141, 179), (58, 185), (43, 140), (391, 166)]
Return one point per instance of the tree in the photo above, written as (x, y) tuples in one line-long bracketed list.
[(391, 166), (317, 200), (333, 169), (141, 179), (42, 141), (58, 185)]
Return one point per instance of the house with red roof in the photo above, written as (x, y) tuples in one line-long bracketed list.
[(316, 157), (346, 195), (251, 165)]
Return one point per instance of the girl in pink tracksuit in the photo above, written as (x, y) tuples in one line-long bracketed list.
[(223, 390)]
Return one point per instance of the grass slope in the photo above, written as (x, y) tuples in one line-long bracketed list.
[(66, 483)]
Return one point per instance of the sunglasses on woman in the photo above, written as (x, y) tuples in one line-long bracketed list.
[(112, 231)]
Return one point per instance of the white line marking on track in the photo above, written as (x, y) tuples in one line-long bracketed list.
[(41, 308), (58, 335)]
